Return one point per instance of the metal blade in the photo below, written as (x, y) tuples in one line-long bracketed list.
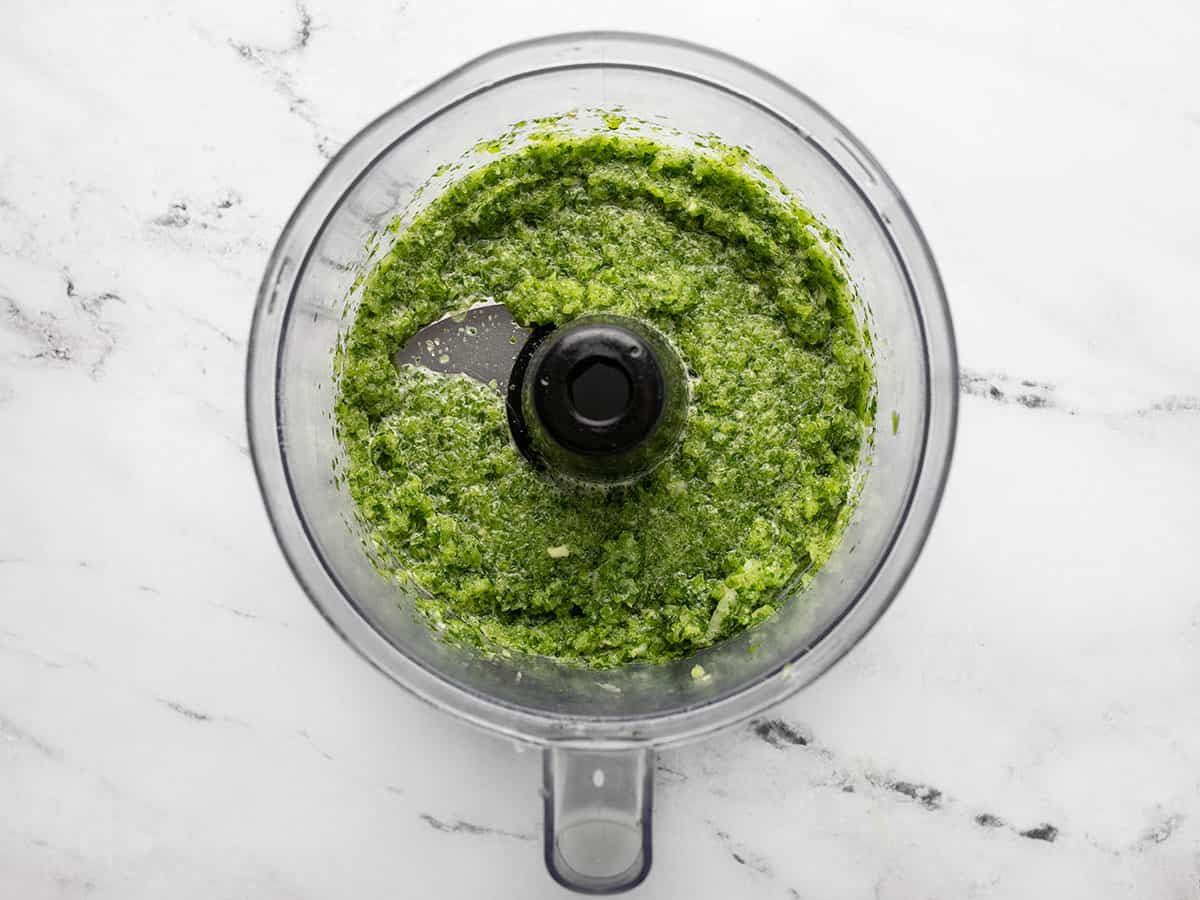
[(482, 343)]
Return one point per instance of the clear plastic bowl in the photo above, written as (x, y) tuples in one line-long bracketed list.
[(609, 722)]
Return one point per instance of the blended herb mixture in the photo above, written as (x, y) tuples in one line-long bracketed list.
[(760, 486)]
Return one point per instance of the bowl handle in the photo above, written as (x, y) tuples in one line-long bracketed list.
[(598, 803)]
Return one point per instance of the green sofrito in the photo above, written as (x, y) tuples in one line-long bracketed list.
[(761, 484)]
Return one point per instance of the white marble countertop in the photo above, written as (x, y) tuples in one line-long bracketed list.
[(177, 721)]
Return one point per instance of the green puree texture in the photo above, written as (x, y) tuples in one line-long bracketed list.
[(758, 490)]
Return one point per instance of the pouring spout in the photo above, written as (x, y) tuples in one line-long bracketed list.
[(598, 810)]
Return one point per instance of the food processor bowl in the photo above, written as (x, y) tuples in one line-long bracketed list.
[(598, 728)]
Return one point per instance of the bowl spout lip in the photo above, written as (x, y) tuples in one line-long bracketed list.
[(721, 71)]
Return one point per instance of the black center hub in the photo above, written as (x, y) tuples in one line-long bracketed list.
[(602, 398), (597, 388)]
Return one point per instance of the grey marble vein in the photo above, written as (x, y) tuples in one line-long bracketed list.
[(90, 303), (743, 855), (308, 739), (43, 330), (1009, 390), (1173, 403), (1161, 831), (216, 224), (304, 30), (13, 644), (668, 775), (459, 826), (176, 216), (1044, 832), (74, 885), (202, 214), (8, 648), (11, 731), (58, 339), (929, 797), (270, 63), (779, 733), (1006, 389), (186, 711), (215, 329)]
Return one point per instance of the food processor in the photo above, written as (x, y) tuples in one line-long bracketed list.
[(599, 729)]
